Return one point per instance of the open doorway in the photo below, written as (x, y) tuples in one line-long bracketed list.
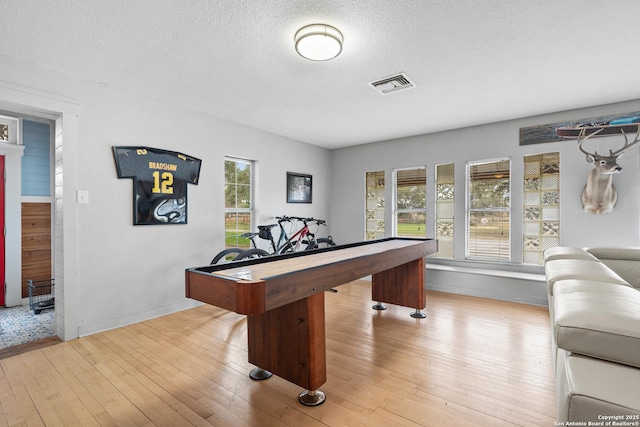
[(21, 321), (62, 111)]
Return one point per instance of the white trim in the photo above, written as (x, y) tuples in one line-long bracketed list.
[(40, 98), (23, 100), (494, 283), (13, 222), (37, 199), (489, 272), (11, 149)]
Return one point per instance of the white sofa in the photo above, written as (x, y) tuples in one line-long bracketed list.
[(594, 305)]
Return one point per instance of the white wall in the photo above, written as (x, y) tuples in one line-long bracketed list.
[(127, 272), (119, 273)]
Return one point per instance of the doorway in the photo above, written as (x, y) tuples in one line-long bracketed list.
[(27, 195), (60, 109)]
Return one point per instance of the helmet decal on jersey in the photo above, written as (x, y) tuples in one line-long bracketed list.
[(160, 179)]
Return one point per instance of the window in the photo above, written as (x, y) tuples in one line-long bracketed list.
[(488, 210), (410, 207), (238, 179), (541, 205), (8, 129), (444, 210), (374, 210), (4, 132)]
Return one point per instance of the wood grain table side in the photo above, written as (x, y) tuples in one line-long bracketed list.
[(289, 341)]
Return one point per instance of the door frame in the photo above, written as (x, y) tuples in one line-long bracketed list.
[(2, 246), (64, 111)]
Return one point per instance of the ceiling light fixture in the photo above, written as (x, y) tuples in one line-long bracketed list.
[(318, 42)]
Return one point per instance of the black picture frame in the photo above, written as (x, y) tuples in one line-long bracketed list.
[(299, 188), (160, 179)]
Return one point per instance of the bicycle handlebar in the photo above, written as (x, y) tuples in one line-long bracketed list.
[(285, 218)]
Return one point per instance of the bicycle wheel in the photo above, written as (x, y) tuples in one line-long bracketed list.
[(252, 253), (227, 255), (321, 243)]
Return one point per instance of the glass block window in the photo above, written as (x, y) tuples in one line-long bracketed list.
[(444, 210), (374, 210), (410, 202), (9, 129), (489, 210), (238, 183), (541, 205), (4, 132)]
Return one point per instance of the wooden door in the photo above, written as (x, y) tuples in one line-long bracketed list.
[(36, 243)]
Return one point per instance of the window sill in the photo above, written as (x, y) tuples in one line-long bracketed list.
[(514, 271)]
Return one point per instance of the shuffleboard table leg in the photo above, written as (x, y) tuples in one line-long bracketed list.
[(259, 374), (312, 397), (418, 314), (379, 306), (289, 341)]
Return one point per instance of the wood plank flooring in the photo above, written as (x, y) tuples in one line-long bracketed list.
[(471, 362)]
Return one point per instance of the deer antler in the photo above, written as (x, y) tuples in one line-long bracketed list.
[(627, 144), (582, 139)]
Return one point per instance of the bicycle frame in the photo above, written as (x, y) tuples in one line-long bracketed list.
[(294, 241), (285, 243)]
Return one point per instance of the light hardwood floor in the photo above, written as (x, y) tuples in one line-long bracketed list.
[(471, 362)]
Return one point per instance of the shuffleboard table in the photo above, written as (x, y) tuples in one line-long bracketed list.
[(283, 298)]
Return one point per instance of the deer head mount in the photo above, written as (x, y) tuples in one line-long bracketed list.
[(599, 196)]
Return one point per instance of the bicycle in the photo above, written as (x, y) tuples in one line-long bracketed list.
[(302, 239)]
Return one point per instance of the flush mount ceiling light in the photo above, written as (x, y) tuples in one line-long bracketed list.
[(318, 42)]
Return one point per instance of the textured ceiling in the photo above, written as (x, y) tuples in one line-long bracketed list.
[(473, 61)]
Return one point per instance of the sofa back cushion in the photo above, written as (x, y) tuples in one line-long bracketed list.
[(625, 261), (563, 269), (567, 252)]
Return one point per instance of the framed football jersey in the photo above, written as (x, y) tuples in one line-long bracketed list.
[(160, 179)]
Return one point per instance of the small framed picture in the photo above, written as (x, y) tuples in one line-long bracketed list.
[(298, 188)]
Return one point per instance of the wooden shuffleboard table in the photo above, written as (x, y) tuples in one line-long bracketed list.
[(283, 298)]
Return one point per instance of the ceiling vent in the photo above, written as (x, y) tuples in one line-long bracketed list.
[(392, 83)]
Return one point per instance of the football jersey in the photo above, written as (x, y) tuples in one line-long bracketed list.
[(160, 181)]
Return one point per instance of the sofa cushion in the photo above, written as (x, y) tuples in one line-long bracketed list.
[(588, 389), (598, 319), (625, 261), (567, 252), (562, 269)]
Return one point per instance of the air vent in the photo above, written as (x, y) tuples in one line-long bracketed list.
[(392, 83)]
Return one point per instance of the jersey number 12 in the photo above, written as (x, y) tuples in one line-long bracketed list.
[(162, 183)]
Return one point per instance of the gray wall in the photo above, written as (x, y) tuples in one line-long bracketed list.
[(489, 142)]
